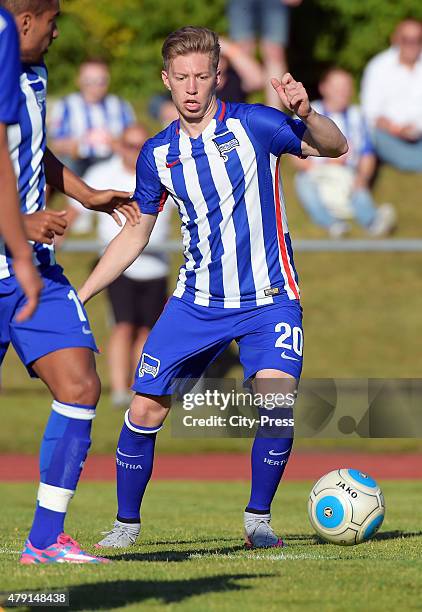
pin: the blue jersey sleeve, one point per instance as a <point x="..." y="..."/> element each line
<point x="150" y="194"/>
<point x="10" y="69"/>
<point x="277" y="132"/>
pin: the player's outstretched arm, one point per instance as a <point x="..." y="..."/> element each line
<point x="322" y="137"/>
<point x="101" y="200"/>
<point x="119" y="255"/>
<point x="12" y="230"/>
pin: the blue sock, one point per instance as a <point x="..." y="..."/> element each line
<point x="270" y="453"/>
<point x="134" y="461"/>
<point x="64" y="448"/>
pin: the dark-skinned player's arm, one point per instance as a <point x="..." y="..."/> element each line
<point x="322" y="137"/>
<point x="100" y="200"/>
<point x="119" y="255"/>
<point x="12" y="230"/>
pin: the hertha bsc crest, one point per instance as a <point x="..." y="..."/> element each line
<point x="225" y="143"/>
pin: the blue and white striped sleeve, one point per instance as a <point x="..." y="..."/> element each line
<point x="277" y="132"/>
<point x="150" y="194"/>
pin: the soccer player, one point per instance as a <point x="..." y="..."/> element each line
<point x="56" y="343"/>
<point x="11" y="226"/>
<point x="220" y="162"/>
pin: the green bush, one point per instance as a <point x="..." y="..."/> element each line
<point x="129" y="34"/>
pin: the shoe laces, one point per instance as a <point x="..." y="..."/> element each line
<point x="66" y="540"/>
<point x="121" y="529"/>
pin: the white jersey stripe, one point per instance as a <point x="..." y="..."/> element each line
<point x="193" y="189"/>
<point x="247" y="159"/>
<point x="224" y="189"/>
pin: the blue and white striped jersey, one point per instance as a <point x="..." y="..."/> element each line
<point x="73" y="117"/>
<point x="10" y="69"/>
<point x="227" y="186"/>
<point x="353" y="125"/>
<point x="27" y="143"/>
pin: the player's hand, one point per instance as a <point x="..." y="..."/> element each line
<point x="31" y="284"/>
<point x="293" y="95"/>
<point x="110" y="201"/>
<point x="43" y="225"/>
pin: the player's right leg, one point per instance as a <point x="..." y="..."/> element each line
<point x="180" y="346"/>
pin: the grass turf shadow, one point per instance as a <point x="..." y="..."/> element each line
<point x="118" y="593"/>
<point x="174" y="555"/>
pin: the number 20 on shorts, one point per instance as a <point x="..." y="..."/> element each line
<point x="289" y="338"/>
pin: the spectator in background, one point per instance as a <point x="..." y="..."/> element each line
<point x="84" y="124"/>
<point x="392" y="98"/>
<point x="267" y="20"/>
<point x="335" y="190"/>
<point x="138" y="296"/>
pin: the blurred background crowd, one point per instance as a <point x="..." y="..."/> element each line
<point x="360" y="62"/>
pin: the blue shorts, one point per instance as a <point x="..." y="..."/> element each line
<point x="59" y="322"/>
<point x="187" y="338"/>
<point x="266" y="19"/>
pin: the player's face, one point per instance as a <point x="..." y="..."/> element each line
<point x="38" y="32"/>
<point x="192" y="81"/>
<point x="337" y="91"/>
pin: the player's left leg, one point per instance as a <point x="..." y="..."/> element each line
<point x="271" y="353"/>
<point x="71" y="376"/>
<point x="57" y="345"/>
<point x="270" y="453"/>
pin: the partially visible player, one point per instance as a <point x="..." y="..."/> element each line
<point x="56" y="344"/>
<point x="11" y="226"/>
<point x="220" y="163"/>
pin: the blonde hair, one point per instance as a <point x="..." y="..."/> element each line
<point x="191" y="39"/>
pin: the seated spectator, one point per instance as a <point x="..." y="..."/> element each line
<point x="334" y="191"/>
<point x="84" y="124"/>
<point x="392" y="98"/>
<point x="138" y="296"/>
<point x="268" y="21"/>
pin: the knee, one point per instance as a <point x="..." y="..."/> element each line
<point x="147" y="412"/>
<point x="84" y="390"/>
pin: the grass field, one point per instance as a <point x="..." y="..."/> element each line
<point x="191" y="558"/>
<point x="361" y="319"/>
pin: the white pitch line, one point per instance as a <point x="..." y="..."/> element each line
<point x="6" y="551"/>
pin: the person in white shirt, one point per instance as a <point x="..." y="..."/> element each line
<point x="138" y="296"/>
<point x="335" y="191"/>
<point x="392" y="98"/>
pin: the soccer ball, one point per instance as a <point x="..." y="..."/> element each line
<point x="346" y="507"/>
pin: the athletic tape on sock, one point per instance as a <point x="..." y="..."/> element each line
<point x="140" y="429"/>
<point x="54" y="498"/>
<point x="74" y="412"/>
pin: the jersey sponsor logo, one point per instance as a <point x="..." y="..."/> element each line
<point x="285" y="356"/>
<point x="225" y="143"/>
<point x="173" y="163"/>
<point x="271" y="291"/>
<point x="149" y="365"/>
<point x="272" y="452"/>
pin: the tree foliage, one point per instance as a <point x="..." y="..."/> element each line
<point x="129" y="35"/>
